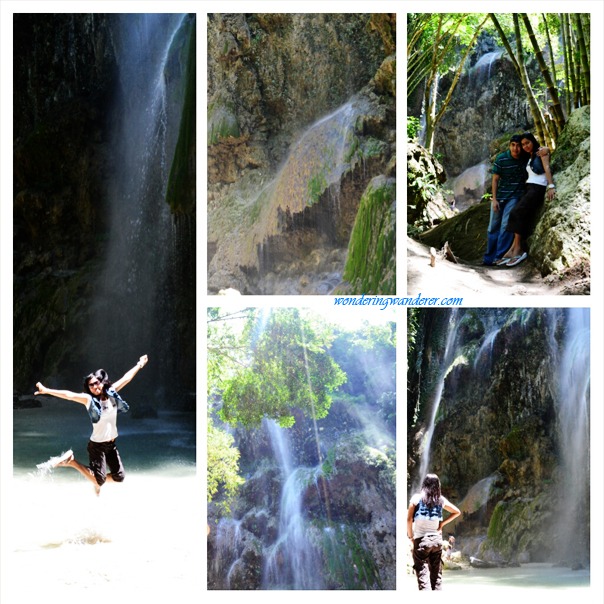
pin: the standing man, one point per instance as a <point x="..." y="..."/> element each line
<point x="509" y="176"/>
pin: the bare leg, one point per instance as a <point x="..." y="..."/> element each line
<point x="516" y="248"/>
<point x="83" y="470"/>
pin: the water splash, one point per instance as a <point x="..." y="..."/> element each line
<point x="470" y="185"/>
<point x="485" y="63"/>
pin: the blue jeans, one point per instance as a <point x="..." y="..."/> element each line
<point x="498" y="239"/>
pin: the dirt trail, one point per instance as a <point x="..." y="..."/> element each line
<point x="448" y="278"/>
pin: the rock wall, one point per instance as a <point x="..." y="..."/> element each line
<point x="498" y="423"/>
<point x="65" y="70"/>
<point x="66" y="91"/>
<point x="561" y="241"/>
<point x="488" y="102"/>
<point x="300" y="118"/>
<point x="348" y="502"/>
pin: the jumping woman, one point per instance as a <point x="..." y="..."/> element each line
<point x="424" y="528"/>
<point x="102" y="401"/>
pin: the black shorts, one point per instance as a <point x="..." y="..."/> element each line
<point x="102" y="456"/>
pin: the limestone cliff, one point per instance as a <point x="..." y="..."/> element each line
<point x="300" y="118"/>
<point x="494" y="397"/>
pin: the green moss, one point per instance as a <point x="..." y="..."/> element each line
<point x="329" y="465"/>
<point x="222" y="123"/>
<point x="316" y="185"/>
<point x="370" y="267"/>
<point x="348" y="563"/>
<point x="180" y="191"/>
<point x="520" y="526"/>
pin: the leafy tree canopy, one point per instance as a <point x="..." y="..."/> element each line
<point x="278" y="362"/>
<point x="223" y="466"/>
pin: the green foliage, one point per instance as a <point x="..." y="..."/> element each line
<point x="370" y="267"/>
<point x="223" y="467"/>
<point x="316" y="185"/>
<point x="387" y="407"/>
<point x="436" y="41"/>
<point x="180" y="190"/>
<point x="225" y="348"/>
<point x="413" y="318"/>
<point x="279" y="363"/>
<point x="413" y="127"/>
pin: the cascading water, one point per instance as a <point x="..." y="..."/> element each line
<point x="293" y="231"/>
<point x="293" y="562"/>
<point x="485" y="63"/>
<point x="132" y="301"/>
<point x="447" y="358"/>
<point x="572" y="387"/>
<point x="484" y="356"/>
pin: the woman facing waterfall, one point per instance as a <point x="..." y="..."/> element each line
<point x="102" y="401"/>
<point x="424" y="527"/>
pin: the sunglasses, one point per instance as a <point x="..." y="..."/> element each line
<point x="93" y="383"/>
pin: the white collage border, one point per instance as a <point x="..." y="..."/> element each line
<point x="595" y="301"/>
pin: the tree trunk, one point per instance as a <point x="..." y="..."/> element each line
<point x="551" y="56"/>
<point x="584" y="60"/>
<point x="556" y="108"/>
<point x="518" y="61"/>
<point x="566" y="70"/>
<point x="571" y="61"/>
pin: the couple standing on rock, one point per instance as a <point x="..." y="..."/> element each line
<point x="521" y="177"/>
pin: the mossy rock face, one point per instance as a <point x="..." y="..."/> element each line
<point x="222" y="123"/>
<point x="519" y="529"/>
<point x="561" y="242"/>
<point x="371" y="264"/>
<point x="426" y="205"/>
<point x="180" y="192"/>
<point x="466" y="233"/>
<point x="348" y="563"/>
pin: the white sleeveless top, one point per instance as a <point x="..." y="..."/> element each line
<point x="106" y="428"/>
<point x="535" y="179"/>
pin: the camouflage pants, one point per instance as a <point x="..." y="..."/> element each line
<point x="427" y="561"/>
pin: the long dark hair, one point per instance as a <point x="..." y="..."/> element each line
<point x="431" y="494"/>
<point x="102" y="376"/>
<point x="529" y="136"/>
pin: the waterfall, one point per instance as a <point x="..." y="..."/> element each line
<point x="486" y="348"/>
<point x="293" y="562"/>
<point x="133" y="297"/>
<point x="572" y="389"/>
<point x="271" y="212"/>
<point x="470" y="185"/>
<point x="486" y="61"/>
<point x="447" y="358"/>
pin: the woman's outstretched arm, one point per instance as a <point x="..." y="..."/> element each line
<point x="76" y="397"/>
<point x="127" y="377"/>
